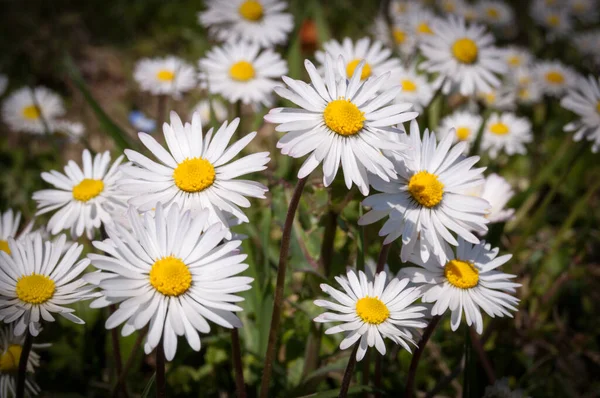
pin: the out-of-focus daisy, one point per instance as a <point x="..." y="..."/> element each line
<point x="503" y="98"/>
<point x="400" y="36"/>
<point x="370" y="311"/>
<point x="74" y="130"/>
<point x="463" y="55"/>
<point x="3" y="83"/>
<point x="508" y="132"/>
<point x="340" y="122"/>
<point x="584" y="10"/>
<point x="242" y="72"/>
<point x="463" y="124"/>
<point x="554" y="77"/>
<point x="165" y="76"/>
<point x="400" y="8"/>
<point x="556" y="20"/>
<point x="416" y="89"/>
<point x="37" y="280"/>
<point x="584" y="100"/>
<point x="516" y="57"/>
<point x="196" y="171"/>
<point x="497" y="191"/>
<point x="141" y="122"/>
<point x="420" y="22"/>
<point x="426" y="201"/>
<point x="450" y="6"/>
<point x="501" y="389"/>
<point x="468" y="12"/>
<point x="377" y="59"/>
<point x="32" y="110"/>
<point x="257" y="21"/>
<point x="467" y="282"/>
<point x="86" y="198"/>
<point x="587" y="43"/>
<point x="9" y="225"/>
<point x="526" y="85"/>
<point x="496" y="13"/>
<point x="204" y="109"/>
<point x="171" y="273"/>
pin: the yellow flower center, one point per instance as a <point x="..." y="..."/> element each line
<point x="242" y="71"/>
<point x="351" y="67"/>
<point x="194" y="175"/>
<point x="4" y="246"/>
<point x="555" y="77"/>
<point x="35" y="288"/>
<point x="514" y="60"/>
<point x="426" y="189"/>
<point x="461" y="274"/>
<point x="408" y="85"/>
<point x="399" y="36"/>
<point x="424" y="28"/>
<point x="524" y="93"/>
<point x="87" y="189"/>
<point x="462" y="133"/>
<point x="170" y="276"/>
<point x="490" y="98"/>
<point x="598" y="106"/>
<point x="499" y="128"/>
<point x="553" y="20"/>
<point x="343" y="117"/>
<point x="372" y="310"/>
<point x="492" y="13"/>
<point x="165" y="75"/>
<point x="9" y="360"/>
<point x="465" y="50"/>
<point x="251" y="10"/>
<point x="31" y="112"/>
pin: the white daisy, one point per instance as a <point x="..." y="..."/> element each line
<point x="86" y="198"/>
<point x="497" y="191"/>
<point x="196" y="172"/>
<point x="555" y="78"/>
<point x="584" y="10"/>
<point x="465" y="126"/>
<point x="242" y="72"/>
<point x="495" y="13"/>
<point x="426" y="202"/>
<point x="526" y="85"/>
<point x="463" y="55"/>
<point x="257" y="21"/>
<point x="587" y="43"/>
<point x="36" y="279"/>
<point x="416" y="89"/>
<point x="400" y="36"/>
<point x="584" y="100"/>
<point x="503" y="98"/>
<point x="32" y="110"/>
<point x="556" y="20"/>
<point x="9" y="225"/>
<point x="370" y="310"/>
<point x="172" y="273"/>
<point x="466" y="282"/>
<point x="165" y="76"/>
<point x="400" y="8"/>
<point x="516" y="57"/>
<point x="341" y="122"/>
<point x="378" y="60"/>
<point x="508" y="132"/>
<point x="450" y="6"/>
<point x="204" y="109"/>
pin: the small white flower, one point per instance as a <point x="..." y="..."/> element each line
<point x="165" y="76"/>
<point x="526" y="85"/>
<point x="496" y="13"/>
<point x="584" y="100"/>
<point x="555" y="78"/>
<point x="516" y="57"/>
<point x="463" y="124"/>
<point x="587" y="43"/>
<point x="416" y="89"/>
<point x="508" y="132"/>
<point x="32" y="110"/>
<point x="497" y="191"/>
<point x="584" y="10"/>
<point x="504" y="98"/>
<point x="204" y="109"/>
<point x="371" y="310"/>
<point x="9" y="225"/>
<point x="556" y="20"/>
<point x="400" y="36"/>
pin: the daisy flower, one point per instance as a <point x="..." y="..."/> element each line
<point x="450" y="6"/>
<point x="32" y="110"/>
<point x="467" y="282"/>
<point x="416" y="89"/>
<point x="425" y="203"/>
<point x="555" y="78"/>
<point x="495" y="13"/>
<point x="400" y="8"/>
<point x="497" y="191"/>
<point x="196" y="171"/>
<point x="508" y="132"/>
<point x="526" y="85"/>
<point x="464" y="125"/>
<point x="584" y="10"/>
<point x="584" y="100"/>
<point x="86" y="198"/>
<point x="171" y="273"/>
<point x="400" y="36"/>
<point x="503" y="98"/>
<point x="419" y="22"/>
<point x="587" y="43"/>
<point x="341" y="122"/>
<point x="516" y="57"/>
<point x="242" y="72"/>
<point x="37" y="280"/>
<point x="463" y="55"/>
<point x="204" y="109"/>
<point x="257" y="21"/>
<point x="9" y="225"/>
<point x="165" y="76"/>
<point x="371" y="310"/>
<point x="556" y="20"/>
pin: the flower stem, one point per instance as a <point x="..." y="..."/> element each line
<point x="485" y="362"/>
<point x="468" y="373"/>
<point x="22" y="372"/>
<point x="116" y="347"/>
<point x="412" y="371"/>
<point x="278" y="300"/>
<point x="383" y="255"/>
<point x="123" y="374"/>
<point x="349" y="372"/>
<point x="240" y="387"/>
<point x="328" y="240"/>
<point x="160" y="370"/>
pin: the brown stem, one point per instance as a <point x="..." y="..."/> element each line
<point x="485" y="362"/>
<point x="412" y="371"/>
<point x="377" y="381"/>
<point x="278" y="300"/>
<point x="116" y="347"/>
<point x="132" y="354"/>
<point x="366" y="370"/>
<point x="160" y="370"/>
<point x="240" y="387"/>
<point x="349" y="372"/>
<point x="383" y="255"/>
<point x="22" y="372"/>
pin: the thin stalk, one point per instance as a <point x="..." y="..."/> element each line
<point x="328" y="240"/>
<point x="278" y="299"/>
<point x="412" y="371"/>
<point x="22" y="372"/>
<point x="469" y="366"/>
<point x="349" y="372"/>
<point x="383" y="255"/>
<point x="485" y="362"/>
<point x="160" y="371"/>
<point x="366" y="370"/>
<point x="360" y="262"/>
<point x="240" y="386"/>
<point x="116" y="347"/>
<point x="134" y="350"/>
<point x="377" y="381"/>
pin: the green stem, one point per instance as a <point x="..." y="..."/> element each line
<point x="132" y="354"/>
<point x="414" y="363"/>
<point x="22" y="370"/>
<point x="160" y="371"/>
<point x="349" y="372"/>
<point x="116" y="347"/>
<point x="236" y="353"/>
<point x="469" y="368"/>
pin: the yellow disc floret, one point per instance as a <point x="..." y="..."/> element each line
<point x="194" y="175"/>
<point x="165" y="75"/>
<point x="251" y="10"/>
<point x="351" y="67"/>
<point x="492" y="13"/>
<point x="598" y="106"/>
<point x="372" y="310"/>
<point x="462" y="133"/>
<point x="4" y="246"/>
<point x="499" y="128"/>
<point x="408" y="85"/>
<point x="399" y="36"/>
<point x="465" y="50"/>
<point x="35" y="288"/>
<point x="170" y="276"/>
<point x="426" y="189"/>
<point x="343" y="117"/>
<point x="514" y="60"/>
<point x="87" y="189"/>
<point x="9" y="360"/>
<point x="555" y="77"/>
<point x="461" y="274"/>
<point x="31" y="112"/>
<point x="424" y="28"/>
<point x="242" y="71"/>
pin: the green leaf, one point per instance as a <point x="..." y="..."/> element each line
<point x="334" y="393"/>
<point x="148" y="388"/>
